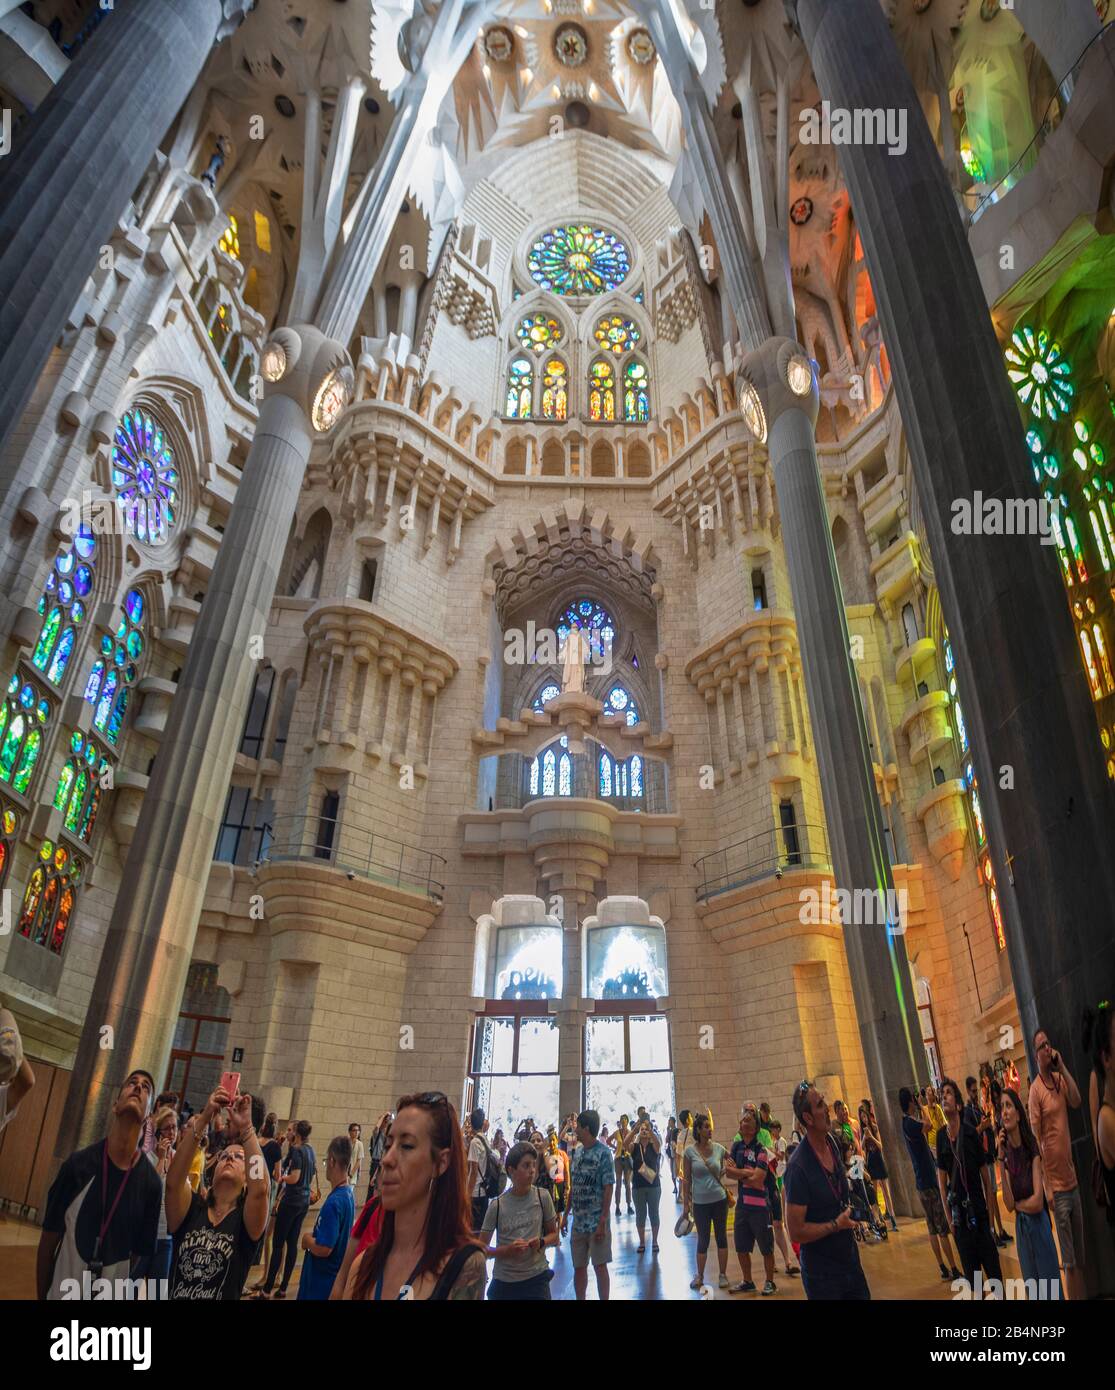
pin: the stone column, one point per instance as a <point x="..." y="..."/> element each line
<point x="147" y="952"/>
<point x="1026" y="700"/>
<point x="779" y="400"/>
<point x="76" y="165"/>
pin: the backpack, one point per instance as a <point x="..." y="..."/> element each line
<point x="494" y="1178"/>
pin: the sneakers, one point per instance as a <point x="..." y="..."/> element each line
<point x="695" y="1283"/>
<point x="944" y="1273"/>
<point x="792" y="1271"/>
<point x="723" y="1281"/>
<point x="744" y="1286"/>
<point x="770" y="1287"/>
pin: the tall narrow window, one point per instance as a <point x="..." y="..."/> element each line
<point x="115" y="671"/>
<point x="327" y="825"/>
<point x="251" y="741"/>
<point x="909" y="624"/>
<point x="48" y="902"/>
<point x="602" y="391"/>
<point x="368" y="580"/>
<point x="759" y="588"/>
<point x="636" y="391"/>
<point x="63" y="605"/>
<point x="555" y="390"/>
<point x="24" y="715"/>
<point x="520" y="380"/>
<point x="788" y="819"/>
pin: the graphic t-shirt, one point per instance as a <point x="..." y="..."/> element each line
<point x="594" y="1170"/>
<point x="752" y="1155"/>
<point x="519" y="1218"/>
<point x="917" y="1146"/>
<point x="962" y="1162"/>
<point x="331" y="1228"/>
<point x="77" y="1205"/>
<point x="211" y="1262"/>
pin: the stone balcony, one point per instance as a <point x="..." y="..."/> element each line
<point x="896" y="568"/>
<point x="927" y="725"/>
<point x="944" y="816"/>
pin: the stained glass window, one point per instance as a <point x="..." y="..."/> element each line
<point x="48" y="902"/>
<point x="548" y="692"/>
<point x="1044" y="463"/>
<point x="9" y="829"/>
<point x="63" y="605"/>
<point x="636" y="389"/>
<point x="549" y="771"/>
<point x="555" y="390"/>
<point x="145" y="477"/>
<point x="565" y="775"/>
<point x="520" y="381"/>
<point x="588" y="615"/>
<point x="616" y="334"/>
<point x="23" y="717"/>
<point x="1039" y="373"/>
<point x="602" y="391"/>
<point x="578" y="260"/>
<point x="80" y="783"/>
<point x="537" y="332"/>
<point x="619" y="701"/>
<point x="230" y="238"/>
<point x="116" y="669"/>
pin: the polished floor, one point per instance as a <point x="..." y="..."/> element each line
<point x="902" y="1267"/>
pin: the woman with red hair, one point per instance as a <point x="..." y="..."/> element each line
<point x="426" y="1249"/>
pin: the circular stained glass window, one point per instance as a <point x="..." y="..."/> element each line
<point x="135" y="644"/>
<point x="76" y="741"/>
<point x="617" y="334"/>
<point x="83" y="580"/>
<point x="1040" y="375"/>
<point x="537" y="332"/>
<point x="27" y="696"/>
<point x="588" y="616"/>
<point x="548" y="692"/>
<point x="145" y="477"/>
<point x="42" y="711"/>
<point x="578" y="260"/>
<point x="46" y="849"/>
<point x="133" y="606"/>
<point x="84" y="544"/>
<point x="801" y="210"/>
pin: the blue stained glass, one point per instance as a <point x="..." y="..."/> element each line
<point x="93" y="685"/>
<point x="116" y="723"/>
<point x="77" y="612"/>
<point x="636" y="775"/>
<point x="65" y="563"/>
<point x="578" y="260"/>
<point x="549" y="770"/>
<point x="57" y="667"/>
<point x="605" y="775"/>
<point x="27" y="696"/>
<point x="104" y="704"/>
<point x="133" y="606"/>
<point x="83" y="579"/>
<point x="85" y="543"/>
<point x="534" y="777"/>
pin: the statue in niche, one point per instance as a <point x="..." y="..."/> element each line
<point x="574" y="650"/>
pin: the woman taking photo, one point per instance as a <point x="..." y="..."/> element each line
<point x="645" y="1149"/>
<point x="426" y="1249"/>
<point x="873" y="1154"/>
<point x="618" y="1142"/>
<point x="704" y="1192"/>
<point x="1024" y="1194"/>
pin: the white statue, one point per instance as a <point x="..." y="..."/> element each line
<point x="573" y="653"/>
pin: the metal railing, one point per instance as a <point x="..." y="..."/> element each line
<point x="326" y="840"/>
<point x="772" y="851"/>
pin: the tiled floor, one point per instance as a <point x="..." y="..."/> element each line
<point x="902" y="1267"/>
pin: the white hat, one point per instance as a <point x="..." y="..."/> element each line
<point x="11" y="1047"/>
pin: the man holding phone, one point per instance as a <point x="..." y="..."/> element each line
<point x="1052" y="1093"/>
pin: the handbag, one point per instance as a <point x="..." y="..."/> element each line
<point x="720" y="1180"/>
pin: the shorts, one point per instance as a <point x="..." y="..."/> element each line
<point x="1069" y="1218"/>
<point x="934" y="1210"/>
<point x="752" y="1227"/>
<point x="591" y="1250"/>
<point x="774" y="1197"/>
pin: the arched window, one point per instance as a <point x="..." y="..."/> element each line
<point x="602" y="391"/>
<point x="9" y="828"/>
<point x="145" y="477"/>
<point x="78" y="794"/>
<point x="63" y="605"/>
<point x="636" y="391"/>
<point x="48" y="903"/>
<point x="520" y="381"/>
<point x="115" y="671"/>
<point x="578" y="260"/>
<point x="620" y="779"/>
<point x="23" y="716"/>
<point x="550" y="691"/>
<point x="555" y="390"/>
<point x="589" y="616"/>
<point x="551" y="773"/>
<point x="620" y="701"/>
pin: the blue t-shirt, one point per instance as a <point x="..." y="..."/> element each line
<point x="331" y="1228"/>
<point x="593" y="1170"/>
<point x="925" y="1170"/>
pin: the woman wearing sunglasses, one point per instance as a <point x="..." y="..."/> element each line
<point x="426" y="1250"/>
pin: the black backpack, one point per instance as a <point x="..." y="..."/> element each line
<point x="493" y="1180"/>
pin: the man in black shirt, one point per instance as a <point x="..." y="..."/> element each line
<point x="817" y="1206"/>
<point x="960" y="1160"/>
<point x="102" y="1211"/>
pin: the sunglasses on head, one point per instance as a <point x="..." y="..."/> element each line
<point x="432" y="1098"/>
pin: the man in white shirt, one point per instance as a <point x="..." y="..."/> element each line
<point x="356" y="1163"/>
<point x="479" y="1160"/>
<point x="16" y="1076"/>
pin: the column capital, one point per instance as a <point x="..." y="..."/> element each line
<point x="776" y="377"/>
<point x="314" y="371"/>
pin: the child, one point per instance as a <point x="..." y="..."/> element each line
<point x="520" y="1223"/>
<point x="325" y="1247"/>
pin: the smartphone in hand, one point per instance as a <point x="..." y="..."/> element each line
<point x="230" y="1084"/>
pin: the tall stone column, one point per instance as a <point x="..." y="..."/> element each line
<point x="147" y="951"/>
<point x="885" y="1008"/>
<point x="1026" y="701"/>
<point x="78" y="162"/>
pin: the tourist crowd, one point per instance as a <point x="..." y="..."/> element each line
<point x="189" y="1203"/>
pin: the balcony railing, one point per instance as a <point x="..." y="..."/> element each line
<point x="324" y="840"/>
<point x="772" y="851"/>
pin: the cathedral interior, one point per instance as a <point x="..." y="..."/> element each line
<point x="480" y="592"/>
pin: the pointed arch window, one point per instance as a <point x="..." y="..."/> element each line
<point x="50" y="897"/>
<point x="116" y="669"/>
<point x="145" y="477"/>
<point x="565" y="775"/>
<point x="62" y="606"/>
<point x="78" y="793"/>
<point x="619" y="700"/>
<point x="636" y="391"/>
<point x="9" y="827"/>
<point x="23" y="718"/>
<point x="555" y="390"/>
<point x="520" y="386"/>
<point x="602" y="391"/>
<point x="550" y="691"/>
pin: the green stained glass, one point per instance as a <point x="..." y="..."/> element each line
<point x="28" y="758"/>
<point x="578" y="259"/>
<point x="57" y="668"/>
<point x="617" y="334"/>
<point x="537" y="332"/>
<point x="1039" y="373"/>
<point x="9" y="748"/>
<point x="135" y="643"/>
<point x="47" y="638"/>
<point x="520" y="377"/>
<point x="65" y="782"/>
<point x="77" y="802"/>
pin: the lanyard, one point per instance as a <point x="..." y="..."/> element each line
<point x="409" y="1283"/>
<point x="106" y="1221"/>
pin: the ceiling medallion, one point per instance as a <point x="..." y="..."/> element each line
<point x="499" y="44"/>
<point x="640" y="47"/>
<point x="571" y="45"/>
<point x="801" y="210"/>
